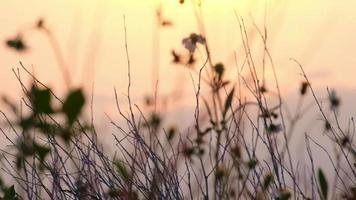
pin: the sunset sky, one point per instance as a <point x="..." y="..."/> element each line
<point x="319" y="33"/>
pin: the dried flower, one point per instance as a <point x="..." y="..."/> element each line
<point x="334" y="100"/>
<point x="281" y="194"/>
<point x="191" y="42"/>
<point x="221" y="172"/>
<point x="166" y="23"/>
<point x="17" y="44"/>
<point x="274" y="128"/>
<point x="40" y="23"/>
<point x="251" y="164"/>
<point x="304" y="88"/>
<point x="188" y="151"/>
<point x="263" y="89"/>
<point x="219" y="69"/>
<point x="327" y="126"/>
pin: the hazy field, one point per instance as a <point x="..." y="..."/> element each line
<point x="215" y="99"/>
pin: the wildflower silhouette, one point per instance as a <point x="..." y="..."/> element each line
<point x="17" y="44"/>
<point x="40" y="24"/>
<point x="334" y="100"/>
<point x="304" y="88"/>
<point x="54" y="144"/>
<point x="190" y="43"/>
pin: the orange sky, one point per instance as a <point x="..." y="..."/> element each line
<point x="318" y="33"/>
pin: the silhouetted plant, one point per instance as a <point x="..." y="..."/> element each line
<point x="236" y="148"/>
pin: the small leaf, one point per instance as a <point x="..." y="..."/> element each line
<point x="41" y="151"/>
<point x="219" y="70"/>
<point x="122" y="170"/>
<point x="268" y="114"/>
<point x="334" y="100"/>
<point x="263" y="89"/>
<point x="236" y="151"/>
<point x="17" y="44"/>
<point x="154" y="121"/>
<point x="323" y="185"/>
<point x="220" y="172"/>
<point x="327" y="126"/>
<point x="228" y="102"/>
<point x="81" y="189"/>
<point x="114" y="192"/>
<point x="199" y="140"/>
<point x="166" y="23"/>
<point x="19" y="161"/>
<point x="304" y="88"/>
<point x="73" y="105"/>
<point x="40" y="23"/>
<point x="274" y="128"/>
<point x="10" y="194"/>
<point x="188" y="151"/>
<point x="66" y="134"/>
<point x="267" y="181"/>
<point x="283" y="195"/>
<point x="25" y="147"/>
<point x="41" y="100"/>
<point x="27" y="123"/>
<point x="171" y="133"/>
<point x="252" y="163"/>
<point x="46" y="127"/>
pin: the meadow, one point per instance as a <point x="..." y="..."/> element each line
<point x="238" y="143"/>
